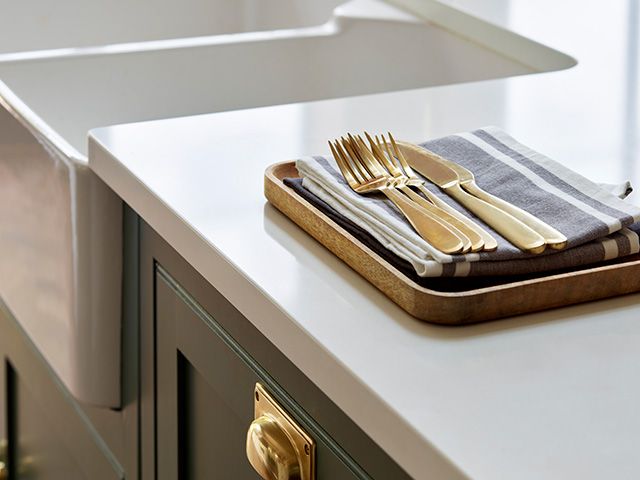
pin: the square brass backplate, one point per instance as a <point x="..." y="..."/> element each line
<point x="265" y="404"/>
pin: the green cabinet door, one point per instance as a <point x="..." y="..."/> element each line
<point x="48" y="434"/>
<point x="39" y="451"/>
<point x="205" y="396"/>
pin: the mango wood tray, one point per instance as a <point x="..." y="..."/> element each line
<point x="453" y="301"/>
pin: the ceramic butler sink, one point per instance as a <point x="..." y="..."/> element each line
<point x="69" y="24"/>
<point x="60" y="226"/>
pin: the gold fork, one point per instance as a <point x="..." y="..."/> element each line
<point x="399" y="181"/>
<point x="407" y="179"/>
<point x="363" y="179"/>
<point x="489" y="242"/>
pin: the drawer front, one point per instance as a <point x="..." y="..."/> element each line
<point x="205" y="396"/>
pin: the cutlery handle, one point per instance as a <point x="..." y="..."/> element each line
<point x="429" y="228"/>
<point x="509" y="227"/>
<point x="450" y="222"/>
<point x="552" y="237"/>
<point x="487" y="241"/>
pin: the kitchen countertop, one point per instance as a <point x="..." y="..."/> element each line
<point x="547" y="395"/>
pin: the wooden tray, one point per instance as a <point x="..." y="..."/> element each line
<point x="453" y="301"/>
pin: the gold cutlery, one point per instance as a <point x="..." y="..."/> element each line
<point x="399" y="181"/>
<point x="490" y="243"/>
<point x="363" y="177"/>
<point x="553" y="237"/>
<point x="510" y="227"/>
<point x="480" y="239"/>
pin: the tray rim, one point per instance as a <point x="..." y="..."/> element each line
<point x="272" y="180"/>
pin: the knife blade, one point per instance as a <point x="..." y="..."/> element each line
<point x="434" y="169"/>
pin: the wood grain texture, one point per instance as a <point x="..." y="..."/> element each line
<point x="472" y="300"/>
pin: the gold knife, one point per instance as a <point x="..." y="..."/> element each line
<point x="511" y="228"/>
<point x="552" y="237"/>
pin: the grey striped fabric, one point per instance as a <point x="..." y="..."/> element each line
<point x="598" y="224"/>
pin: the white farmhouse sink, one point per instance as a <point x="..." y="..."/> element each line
<point x="42" y="24"/>
<point x="60" y="226"/>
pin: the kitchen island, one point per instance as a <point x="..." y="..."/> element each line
<point x="226" y="311"/>
<point x="546" y="395"/>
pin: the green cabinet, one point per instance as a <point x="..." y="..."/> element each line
<point x="47" y="434"/>
<point x="191" y="363"/>
<point x="205" y="395"/>
<point x="205" y="359"/>
<point x="39" y="451"/>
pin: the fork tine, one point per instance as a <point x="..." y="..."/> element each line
<point x="355" y="170"/>
<point x="379" y="143"/>
<point x="359" y="156"/>
<point x="372" y="146"/>
<point x="366" y="174"/>
<point x="344" y="168"/>
<point x="387" y="166"/>
<point x="378" y="164"/>
<point x="387" y="149"/>
<point x="358" y="153"/>
<point x="370" y="162"/>
<point x="364" y="150"/>
<point x="387" y="159"/>
<point x="382" y="145"/>
<point x="373" y="142"/>
<point x="400" y="156"/>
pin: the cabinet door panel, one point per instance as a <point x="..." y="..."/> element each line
<point x="202" y="416"/>
<point x="49" y="435"/>
<point x="39" y="454"/>
<point x="205" y="384"/>
<point x="211" y="424"/>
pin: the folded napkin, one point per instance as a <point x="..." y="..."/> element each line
<point x="599" y="225"/>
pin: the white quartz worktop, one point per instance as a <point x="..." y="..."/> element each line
<point x="548" y="395"/>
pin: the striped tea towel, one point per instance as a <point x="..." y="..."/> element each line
<point x="599" y="225"/>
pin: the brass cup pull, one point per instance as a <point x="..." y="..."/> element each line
<point x="270" y="451"/>
<point x="277" y="447"/>
<point x="4" y="471"/>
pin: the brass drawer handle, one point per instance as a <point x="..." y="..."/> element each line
<point x="270" y="451"/>
<point x="4" y="471"/>
<point x="277" y="448"/>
